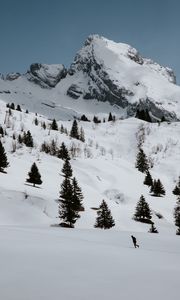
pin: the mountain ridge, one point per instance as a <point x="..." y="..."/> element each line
<point x="102" y="71"/>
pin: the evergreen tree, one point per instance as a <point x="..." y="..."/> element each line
<point x="153" y="229"/>
<point x="84" y="118"/>
<point x="67" y="213"/>
<point x="54" y="125"/>
<point x="3" y="158"/>
<point x="27" y="139"/>
<point x="104" y="218"/>
<point x="148" y="179"/>
<point x="36" y="122"/>
<point x="177" y="215"/>
<point x="12" y="106"/>
<point x="18" y="108"/>
<point x="20" y="140"/>
<point x="176" y="190"/>
<point x="34" y="175"/>
<point x="142" y="162"/>
<point x="157" y="188"/>
<point x="53" y="148"/>
<point x="63" y="152"/>
<point x="67" y="170"/>
<point x="74" y="133"/>
<point x="45" y="147"/>
<point x="62" y="129"/>
<point x="44" y="125"/>
<point x="110" y="118"/>
<point x="142" y="212"/>
<point x="96" y="120"/>
<point x="1" y="131"/>
<point x="81" y="135"/>
<point x="27" y="111"/>
<point x="77" y="195"/>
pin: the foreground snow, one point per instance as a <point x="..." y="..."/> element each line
<point x="52" y="263"/>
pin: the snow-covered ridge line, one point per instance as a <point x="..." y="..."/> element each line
<point x="104" y="76"/>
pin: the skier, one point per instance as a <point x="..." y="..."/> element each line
<point x="134" y="241"/>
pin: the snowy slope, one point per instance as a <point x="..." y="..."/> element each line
<point x="104" y="167"/>
<point x="52" y="263"/>
<point x="104" y="76"/>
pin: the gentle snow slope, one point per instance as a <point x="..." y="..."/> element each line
<point x="52" y="263"/>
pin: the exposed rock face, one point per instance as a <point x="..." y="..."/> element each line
<point x="74" y="91"/>
<point x="119" y="74"/>
<point x="12" y="76"/>
<point x="46" y="75"/>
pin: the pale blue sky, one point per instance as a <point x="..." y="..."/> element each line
<point x="51" y="31"/>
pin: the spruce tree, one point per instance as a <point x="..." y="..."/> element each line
<point x="104" y="218"/>
<point x="177" y="215"/>
<point x="12" y="106"/>
<point x="142" y="162"/>
<point x="67" y="170"/>
<point x="18" y="108"/>
<point x="54" y="125"/>
<point x="44" y="125"/>
<point x="62" y="129"/>
<point x="153" y="229"/>
<point x="157" y="188"/>
<point x="176" y="190"/>
<point x="53" y="148"/>
<point x="34" y="175"/>
<point x="148" y="179"/>
<point x="77" y="195"/>
<point x="3" y="158"/>
<point x="1" y="131"/>
<point x="36" y="122"/>
<point x="84" y="118"/>
<point x="67" y="212"/>
<point x="74" y="133"/>
<point x="20" y="139"/>
<point x="81" y="135"/>
<point x="142" y="212"/>
<point x="110" y="118"/>
<point x="63" y="152"/>
<point x="28" y="140"/>
<point x="96" y="120"/>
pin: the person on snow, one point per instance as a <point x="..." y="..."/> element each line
<point x="134" y="242"/>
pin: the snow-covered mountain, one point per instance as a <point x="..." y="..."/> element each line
<point x="104" y="76"/>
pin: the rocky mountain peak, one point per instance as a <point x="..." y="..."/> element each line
<point x="46" y="75"/>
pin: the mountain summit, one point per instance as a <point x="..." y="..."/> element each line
<point x="105" y="72"/>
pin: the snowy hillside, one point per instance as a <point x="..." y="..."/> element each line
<point x="104" y="166"/>
<point x="39" y="259"/>
<point x="104" y="76"/>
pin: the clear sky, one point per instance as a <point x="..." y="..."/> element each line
<point x="51" y="31"/>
